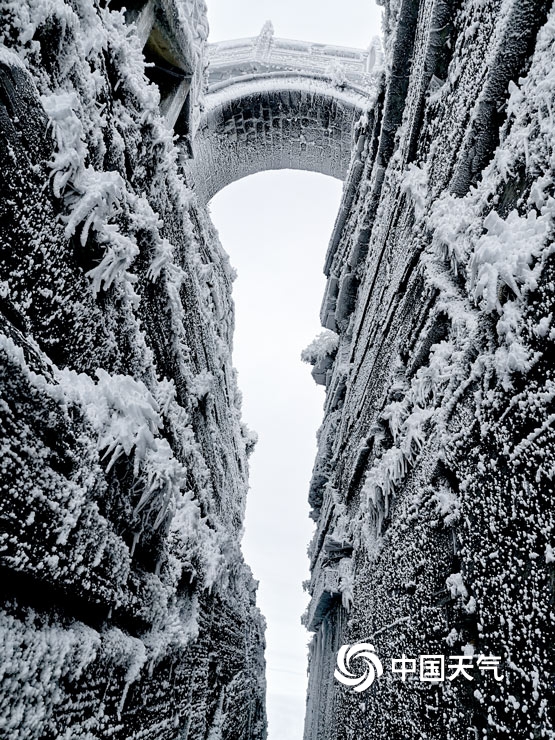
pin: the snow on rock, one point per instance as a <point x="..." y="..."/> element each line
<point x="436" y="451"/>
<point x="325" y="344"/>
<point x="128" y="610"/>
<point x="320" y="353"/>
<point x="127" y="607"/>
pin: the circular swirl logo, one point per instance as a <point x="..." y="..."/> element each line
<point x="364" y="653"/>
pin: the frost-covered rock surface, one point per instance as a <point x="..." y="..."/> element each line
<point x="127" y="610"/>
<point x="433" y="487"/>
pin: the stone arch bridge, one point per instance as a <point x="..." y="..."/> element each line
<point x="126" y="609"/>
<point x="274" y="103"/>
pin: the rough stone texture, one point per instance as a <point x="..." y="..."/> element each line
<point x="277" y="104"/>
<point x="295" y="126"/>
<point x="127" y="610"/>
<point x="433" y="486"/>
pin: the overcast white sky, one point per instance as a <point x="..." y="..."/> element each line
<point x="341" y="22"/>
<point x="276" y="233"/>
<point x="276" y="227"/>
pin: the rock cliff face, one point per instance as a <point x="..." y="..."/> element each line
<point x="127" y="610"/>
<point x="433" y="486"/>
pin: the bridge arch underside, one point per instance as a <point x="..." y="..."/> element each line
<point x="252" y="128"/>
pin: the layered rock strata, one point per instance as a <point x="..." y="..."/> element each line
<point x="433" y="486"/>
<point x="127" y="609"/>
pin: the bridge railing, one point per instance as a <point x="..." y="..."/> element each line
<point x="230" y="60"/>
